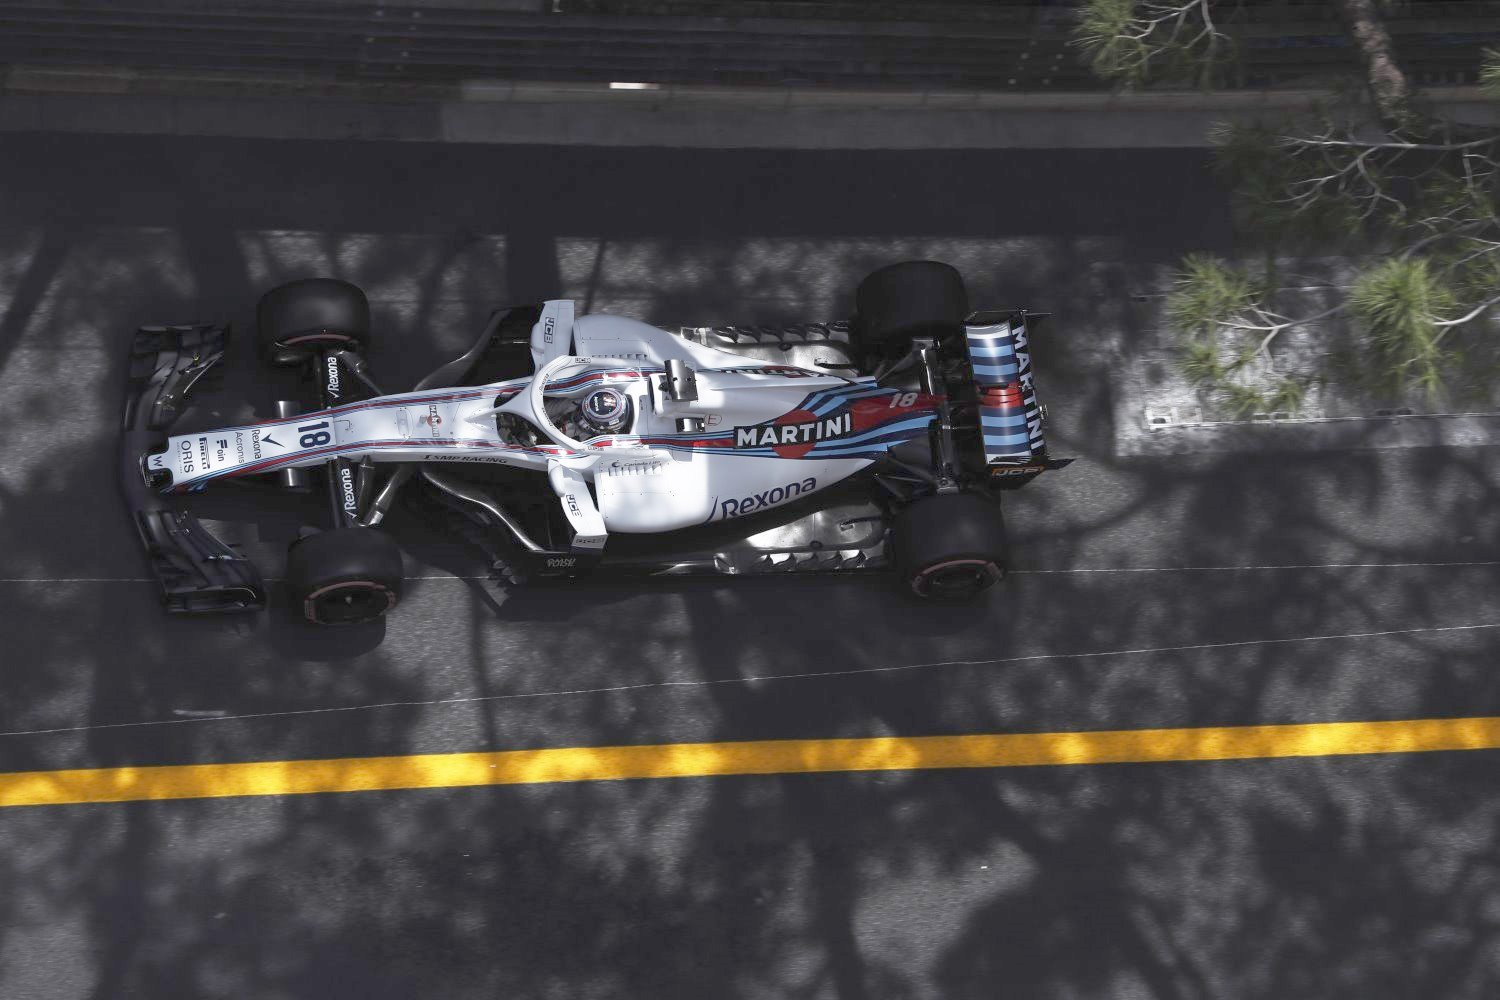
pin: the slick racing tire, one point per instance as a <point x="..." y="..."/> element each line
<point x="905" y="300"/>
<point x="344" y="576"/>
<point x="950" y="546"/>
<point x="296" y="319"/>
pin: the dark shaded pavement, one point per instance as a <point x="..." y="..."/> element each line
<point x="1320" y="878"/>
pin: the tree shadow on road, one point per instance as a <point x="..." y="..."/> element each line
<point x="1185" y="880"/>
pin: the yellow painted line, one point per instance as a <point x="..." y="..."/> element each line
<point x="691" y="760"/>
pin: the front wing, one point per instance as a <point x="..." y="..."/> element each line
<point x="197" y="571"/>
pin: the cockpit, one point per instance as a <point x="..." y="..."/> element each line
<point x="581" y="414"/>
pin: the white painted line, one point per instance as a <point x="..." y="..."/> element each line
<point x="1210" y="569"/>
<point x="1014" y="572"/>
<point x="1153" y="569"/>
<point x="76" y="579"/>
<point x="1276" y="421"/>
<point x="756" y="679"/>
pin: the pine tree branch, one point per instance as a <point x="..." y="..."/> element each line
<point x="1276" y="328"/>
<point x="1126" y="39"/>
<point x="1470" y="315"/>
<point x="1437" y="147"/>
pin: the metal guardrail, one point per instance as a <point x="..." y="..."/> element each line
<point x="954" y="45"/>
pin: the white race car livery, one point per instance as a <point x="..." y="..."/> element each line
<point x="606" y="417"/>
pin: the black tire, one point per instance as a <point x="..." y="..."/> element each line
<point x="950" y="546"/>
<point x="296" y="319"/>
<point x="901" y="301"/>
<point x="345" y="576"/>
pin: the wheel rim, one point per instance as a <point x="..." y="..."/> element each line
<point x="956" y="580"/>
<point x="348" y="603"/>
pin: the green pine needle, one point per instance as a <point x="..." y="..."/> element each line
<point x="1207" y="292"/>
<point x="1399" y="303"/>
<point x="1489" y="72"/>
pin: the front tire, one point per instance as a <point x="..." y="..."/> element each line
<point x="949" y="546"/>
<point x="906" y="300"/>
<point x="345" y="576"/>
<point x="301" y="317"/>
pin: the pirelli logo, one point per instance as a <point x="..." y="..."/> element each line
<point x="793" y="433"/>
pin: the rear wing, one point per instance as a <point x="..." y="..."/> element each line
<point x="1011" y="420"/>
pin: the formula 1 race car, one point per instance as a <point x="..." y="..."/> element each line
<point x="564" y="445"/>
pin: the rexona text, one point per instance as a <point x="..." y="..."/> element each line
<point x="770" y="498"/>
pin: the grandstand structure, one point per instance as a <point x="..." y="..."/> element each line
<point x="931" y="46"/>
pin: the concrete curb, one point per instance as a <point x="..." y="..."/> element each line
<point x="489" y="111"/>
<point x="1371" y="433"/>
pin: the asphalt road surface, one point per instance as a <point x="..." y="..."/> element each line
<point x="1350" y="876"/>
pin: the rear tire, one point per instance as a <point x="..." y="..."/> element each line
<point x="345" y="576"/>
<point x="296" y="319"/>
<point x="902" y="301"/>
<point x="950" y="546"/>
